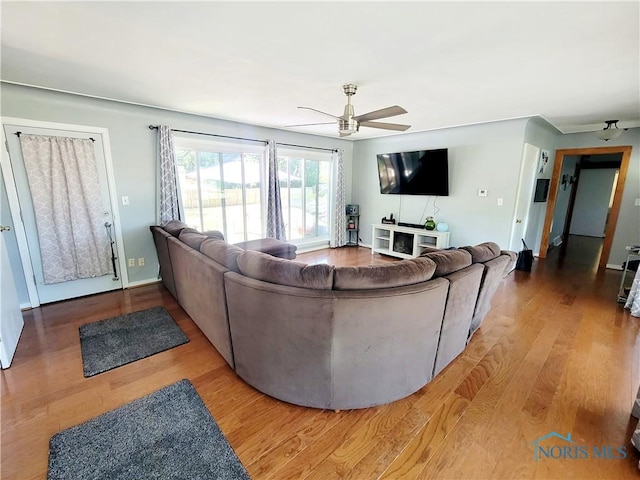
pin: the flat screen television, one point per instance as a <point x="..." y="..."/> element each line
<point x="423" y="172"/>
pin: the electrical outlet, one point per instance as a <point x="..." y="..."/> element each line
<point x="131" y="262"/>
<point x="637" y="204"/>
<point x="141" y="262"/>
<point x="482" y="192"/>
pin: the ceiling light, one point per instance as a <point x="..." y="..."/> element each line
<point x="347" y="126"/>
<point x="609" y="132"/>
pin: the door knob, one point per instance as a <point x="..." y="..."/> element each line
<point x="4" y="228"/>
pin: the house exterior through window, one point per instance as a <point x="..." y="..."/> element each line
<point x="305" y="190"/>
<point x="223" y="187"/>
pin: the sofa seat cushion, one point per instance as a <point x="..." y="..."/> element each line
<point x="483" y="252"/>
<point x="267" y="268"/>
<point x="192" y="237"/>
<point x="396" y="274"/>
<point x="221" y="252"/>
<point x="271" y="246"/>
<point x="174" y="227"/>
<point x="448" y="261"/>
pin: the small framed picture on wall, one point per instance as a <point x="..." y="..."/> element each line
<point x="544" y="160"/>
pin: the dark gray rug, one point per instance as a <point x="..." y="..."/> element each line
<point x="169" y="434"/>
<point x="116" y="341"/>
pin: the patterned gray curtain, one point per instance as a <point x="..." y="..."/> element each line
<point x="169" y="201"/>
<point x="65" y="187"/>
<point x="339" y="233"/>
<point x="275" y="222"/>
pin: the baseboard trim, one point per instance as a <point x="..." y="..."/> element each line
<point x="141" y="283"/>
<point x="310" y="245"/>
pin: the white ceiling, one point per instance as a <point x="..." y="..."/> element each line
<point x="574" y="63"/>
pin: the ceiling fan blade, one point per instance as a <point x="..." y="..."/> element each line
<point x="382" y="113"/>
<point x="386" y="126"/>
<point x="309" y="124"/>
<point x="319" y="111"/>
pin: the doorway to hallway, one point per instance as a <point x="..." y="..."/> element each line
<point x="560" y="220"/>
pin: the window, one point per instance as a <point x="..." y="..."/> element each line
<point x="305" y="180"/>
<point x="220" y="187"/>
<point x="223" y="187"/>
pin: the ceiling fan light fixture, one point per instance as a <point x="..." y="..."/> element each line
<point x="347" y="126"/>
<point x="350" y="123"/>
<point x="609" y="132"/>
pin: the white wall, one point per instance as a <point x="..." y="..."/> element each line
<point x="543" y="135"/>
<point x="592" y="202"/>
<point x="133" y="148"/>
<point x="485" y="156"/>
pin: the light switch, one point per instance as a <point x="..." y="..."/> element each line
<point x="637" y="204"/>
<point x="125" y="200"/>
<point x="500" y="202"/>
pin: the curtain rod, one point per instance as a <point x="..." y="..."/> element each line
<point x="305" y="146"/>
<point x="20" y="133"/>
<point x="155" y="127"/>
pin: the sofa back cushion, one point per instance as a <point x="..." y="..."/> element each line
<point x="285" y="272"/>
<point x="483" y="252"/>
<point x="221" y="252"/>
<point x="494" y="271"/>
<point x="174" y="227"/>
<point x="160" y="239"/>
<point x="192" y="237"/>
<point x="396" y="274"/>
<point x="214" y="234"/>
<point x="448" y="261"/>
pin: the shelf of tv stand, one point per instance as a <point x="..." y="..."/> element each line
<point x="405" y="242"/>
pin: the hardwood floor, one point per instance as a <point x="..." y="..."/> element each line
<point x="555" y="354"/>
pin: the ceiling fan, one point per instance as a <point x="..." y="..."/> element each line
<point x="349" y="123"/>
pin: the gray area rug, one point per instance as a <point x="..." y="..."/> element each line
<point x="168" y="434"/>
<point x="116" y="341"/>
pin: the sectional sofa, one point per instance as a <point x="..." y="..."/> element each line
<point x="331" y="337"/>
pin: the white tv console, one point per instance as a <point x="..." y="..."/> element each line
<point x="405" y="242"/>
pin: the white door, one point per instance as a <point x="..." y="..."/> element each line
<point x="11" y="321"/>
<point x="524" y="195"/>
<point x="593" y="201"/>
<point x="74" y="288"/>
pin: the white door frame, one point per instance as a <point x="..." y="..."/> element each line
<point x="14" y="205"/>
<point x="524" y="193"/>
